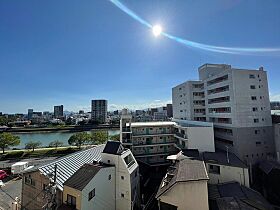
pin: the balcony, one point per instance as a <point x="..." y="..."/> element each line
<point x="126" y="141"/>
<point x="143" y="144"/>
<point x="126" y="130"/>
<point x="180" y="135"/>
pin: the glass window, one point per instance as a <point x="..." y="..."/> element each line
<point x="91" y="194"/>
<point x="214" y="169"/>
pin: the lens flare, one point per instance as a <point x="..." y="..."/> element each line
<point x="196" y="45"/>
<point x="157" y="30"/>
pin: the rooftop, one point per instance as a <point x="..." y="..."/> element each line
<point x="152" y="123"/>
<point x="83" y="176"/>
<point x="113" y="147"/>
<point x="183" y="123"/>
<point x="69" y="164"/>
<point x="185" y="170"/>
<point x="220" y="157"/>
<point x="267" y="166"/>
<point x="234" y="196"/>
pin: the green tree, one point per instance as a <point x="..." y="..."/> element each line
<point x="115" y="137"/>
<point x="99" y="137"/>
<point x="32" y="145"/>
<point x="8" y="139"/>
<point x="79" y="139"/>
<point x="56" y="144"/>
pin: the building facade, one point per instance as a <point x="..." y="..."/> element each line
<point x="236" y="101"/>
<point x="58" y="111"/>
<point x="99" y="110"/>
<point x="152" y="142"/>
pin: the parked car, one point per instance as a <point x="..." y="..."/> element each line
<point x="3" y="174"/>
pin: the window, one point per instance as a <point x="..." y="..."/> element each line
<point x="91" y="194"/>
<point x="255" y="109"/>
<point x="254" y="98"/>
<point x="129" y="160"/>
<point x="71" y="200"/>
<point x="110" y="177"/>
<point x="29" y="181"/>
<point x="257" y="131"/>
<point x="214" y="169"/>
<point x="261" y="97"/>
<point x="109" y="161"/>
<point x="122" y="177"/>
<point x="258" y="143"/>
<point x="256" y="120"/>
<point x="252" y="76"/>
<point x="122" y="195"/>
<point x="253" y="87"/>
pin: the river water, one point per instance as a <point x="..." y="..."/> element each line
<point x="46" y="137"/>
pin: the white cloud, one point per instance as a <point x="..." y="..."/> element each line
<point x="153" y="104"/>
<point x="274" y="97"/>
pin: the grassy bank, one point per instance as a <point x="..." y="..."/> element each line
<point x="38" y="153"/>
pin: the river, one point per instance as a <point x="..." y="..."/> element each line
<point x="46" y="137"/>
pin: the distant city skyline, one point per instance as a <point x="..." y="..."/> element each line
<point x="56" y="53"/>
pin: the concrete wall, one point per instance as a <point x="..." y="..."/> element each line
<point x="191" y="195"/>
<point x="201" y="138"/>
<point x="228" y="174"/>
<point x="32" y="196"/>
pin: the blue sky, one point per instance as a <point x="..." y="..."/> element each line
<point x="69" y="52"/>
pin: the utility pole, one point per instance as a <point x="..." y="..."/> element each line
<point x="50" y="192"/>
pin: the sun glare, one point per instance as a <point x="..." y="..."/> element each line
<point x="157" y="30"/>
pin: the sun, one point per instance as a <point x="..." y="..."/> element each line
<point x="157" y="30"/>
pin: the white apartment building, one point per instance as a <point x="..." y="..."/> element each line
<point x="152" y="142"/>
<point x="99" y="109"/>
<point x="236" y="101"/>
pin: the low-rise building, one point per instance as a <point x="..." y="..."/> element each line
<point x="225" y="167"/>
<point x="36" y="179"/>
<point x="152" y="142"/>
<point x="184" y="186"/>
<point x="234" y="196"/>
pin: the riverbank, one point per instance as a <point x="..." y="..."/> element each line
<point x="76" y="128"/>
<point x="38" y="153"/>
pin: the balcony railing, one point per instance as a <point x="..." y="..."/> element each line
<point x="127" y="141"/>
<point x="126" y="130"/>
<point x="184" y="136"/>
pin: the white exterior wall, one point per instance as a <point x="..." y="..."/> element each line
<point x="228" y="174"/>
<point x="247" y="145"/>
<point x="104" y="198"/>
<point x="191" y="195"/>
<point x="126" y="185"/>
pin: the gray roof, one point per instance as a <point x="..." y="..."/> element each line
<point x="220" y="158"/>
<point x="69" y="164"/>
<point x="113" y="147"/>
<point x="268" y="166"/>
<point x="234" y="196"/>
<point x="83" y="176"/>
<point x="185" y="170"/>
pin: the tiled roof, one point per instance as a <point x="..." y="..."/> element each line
<point x="185" y="170"/>
<point x="234" y="196"/>
<point x="68" y="165"/>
